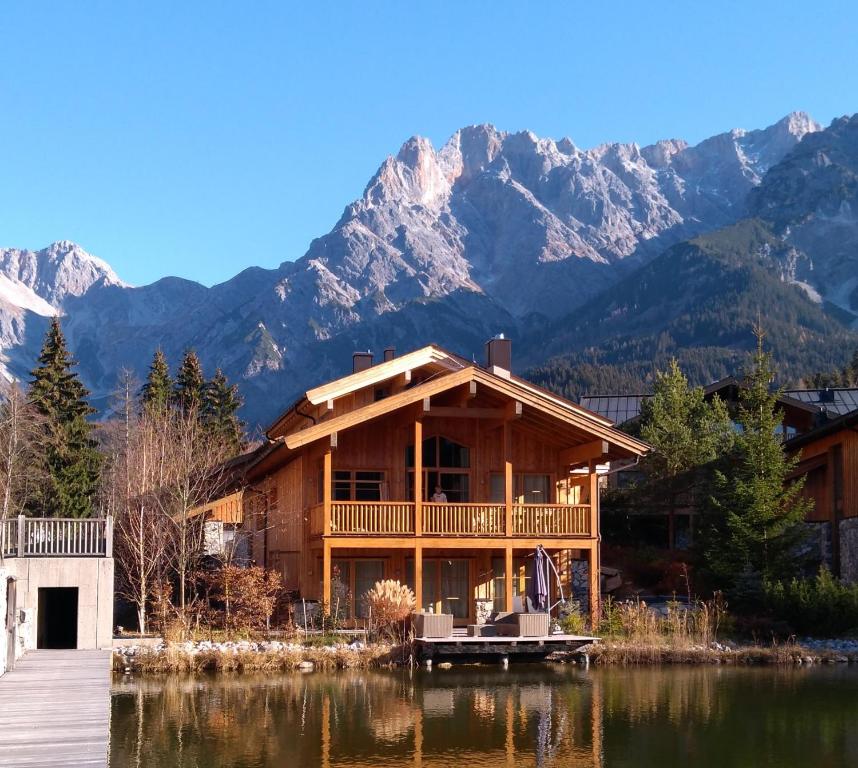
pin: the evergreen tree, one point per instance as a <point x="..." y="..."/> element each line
<point x="755" y="519"/>
<point x="686" y="432"/>
<point x="221" y="405"/>
<point x="157" y="390"/>
<point x="70" y="457"/>
<point x="189" y="390"/>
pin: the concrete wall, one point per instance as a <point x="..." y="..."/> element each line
<point x="93" y="576"/>
<point x="4" y="574"/>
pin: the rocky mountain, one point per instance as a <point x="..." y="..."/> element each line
<point x="492" y="232"/>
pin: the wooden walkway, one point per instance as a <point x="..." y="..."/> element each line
<point x="55" y="710"/>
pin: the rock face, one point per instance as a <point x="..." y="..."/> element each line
<point x="492" y="232"/>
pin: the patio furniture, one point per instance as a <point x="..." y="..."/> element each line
<point x="432" y="624"/>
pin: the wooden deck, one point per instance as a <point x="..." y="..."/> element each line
<point x="55" y="710"/>
<point x="483" y="648"/>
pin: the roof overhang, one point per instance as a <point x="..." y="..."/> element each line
<point x="586" y="426"/>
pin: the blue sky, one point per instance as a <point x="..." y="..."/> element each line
<point x="199" y="138"/>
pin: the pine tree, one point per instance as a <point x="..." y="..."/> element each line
<point x="686" y="432"/>
<point x="189" y="389"/>
<point x="157" y="390"/>
<point x="221" y="405"/>
<point x="70" y="457"/>
<point x="755" y="526"/>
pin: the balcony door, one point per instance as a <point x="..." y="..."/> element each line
<point x="446" y="464"/>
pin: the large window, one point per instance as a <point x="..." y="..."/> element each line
<point x="350" y="581"/>
<point x="446" y="585"/>
<point x="526" y="489"/>
<point x="358" y="485"/>
<point x="445" y="464"/>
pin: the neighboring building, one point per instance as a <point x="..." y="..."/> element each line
<point x="340" y="498"/>
<point x="828" y="461"/>
<point x="804" y="411"/>
<point x="224" y="536"/>
<point x="56" y="585"/>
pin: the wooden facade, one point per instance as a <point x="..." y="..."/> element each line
<point x="828" y="462"/>
<point x="342" y="494"/>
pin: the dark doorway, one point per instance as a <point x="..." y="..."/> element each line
<point x="57" y="617"/>
<point x="11" y="634"/>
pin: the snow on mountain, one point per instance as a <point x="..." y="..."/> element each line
<point x="492" y="230"/>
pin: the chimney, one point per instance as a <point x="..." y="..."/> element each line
<point x="499" y="353"/>
<point x="389" y="354"/>
<point x="361" y="361"/>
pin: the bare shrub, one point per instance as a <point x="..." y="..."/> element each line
<point x="390" y="604"/>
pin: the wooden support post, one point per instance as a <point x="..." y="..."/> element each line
<point x="507" y="472"/>
<point x="595" y="543"/>
<point x="418" y="577"/>
<point x="327" y="480"/>
<point x="326" y="574"/>
<point x="418" y="477"/>
<point x="509" y="577"/>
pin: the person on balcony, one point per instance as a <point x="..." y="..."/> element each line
<point x="439" y="497"/>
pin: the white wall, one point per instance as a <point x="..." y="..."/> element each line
<point x="3" y="576"/>
<point x="93" y="576"/>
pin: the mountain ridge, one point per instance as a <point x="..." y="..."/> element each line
<point x="494" y="231"/>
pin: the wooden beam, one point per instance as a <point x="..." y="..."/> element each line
<point x="330" y="406"/>
<point x="581" y="454"/>
<point x="418" y="477"/>
<point x="427" y="405"/>
<point x="595" y="554"/>
<point x="513" y="410"/>
<point x="418" y="577"/>
<point x="333" y="441"/>
<point x="507" y="472"/>
<point x="327" y="479"/>
<point x="507" y="582"/>
<point x="452" y="412"/>
<point x="326" y="575"/>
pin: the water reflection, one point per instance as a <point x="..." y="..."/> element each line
<point x="534" y="716"/>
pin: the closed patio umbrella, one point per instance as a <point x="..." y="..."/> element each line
<point x="538" y="590"/>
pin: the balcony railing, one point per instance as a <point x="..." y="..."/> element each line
<point x="464" y="519"/>
<point x="392" y="518"/>
<point x="396" y="518"/>
<point x="551" y="520"/>
<point x="56" y="537"/>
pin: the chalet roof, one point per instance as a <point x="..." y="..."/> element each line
<point x="376" y="374"/>
<point x="588" y="425"/>
<point x="847" y="421"/>
<point x="835" y="401"/>
<point x="622" y="408"/>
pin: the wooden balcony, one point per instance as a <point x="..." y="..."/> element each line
<point x="397" y="518"/>
<point x="56" y="537"/>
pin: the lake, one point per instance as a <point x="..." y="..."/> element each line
<point x="484" y="716"/>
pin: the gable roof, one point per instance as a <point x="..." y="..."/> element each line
<point x="589" y="425"/>
<point x="376" y="374"/>
<point x="834" y="401"/>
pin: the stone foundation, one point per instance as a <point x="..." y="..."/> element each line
<point x="581" y="584"/>
<point x="849" y="550"/>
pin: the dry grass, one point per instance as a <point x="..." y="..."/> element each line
<point x="178" y="658"/>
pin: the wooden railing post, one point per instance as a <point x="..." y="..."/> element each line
<point x="108" y="536"/>
<point x="21" y="523"/>
<point x="507" y="474"/>
<point x="418" y="477"/>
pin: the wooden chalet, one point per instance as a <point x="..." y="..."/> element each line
<point x="828" y="462"/>
<point x="342" y="495"/>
